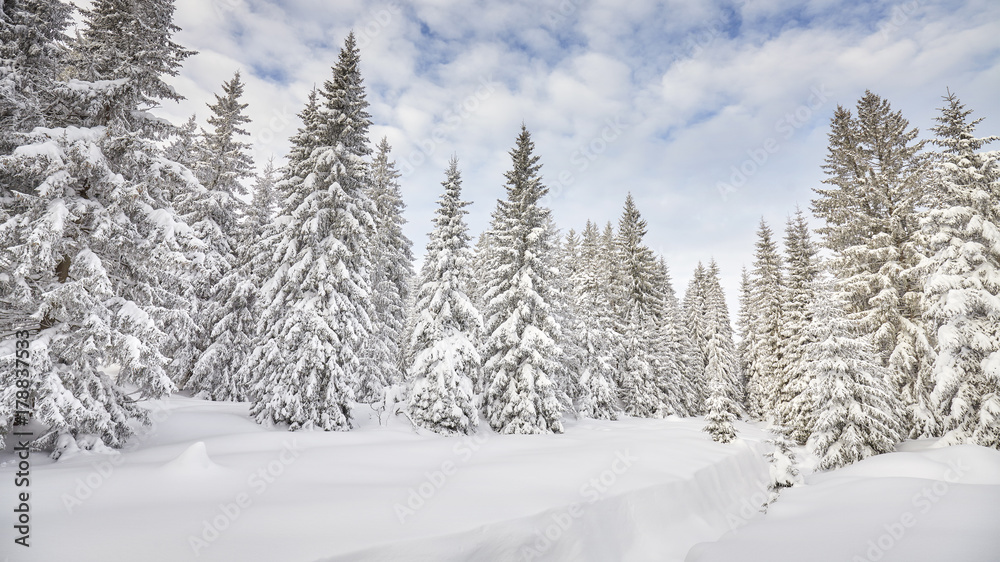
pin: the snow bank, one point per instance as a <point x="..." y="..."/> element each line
<point x="209" y="484"/>
<point x="923" y="505"/>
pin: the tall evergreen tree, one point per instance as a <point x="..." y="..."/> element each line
<point x="392" y="274"/>
<point x="642" y="312"/>
<point x="802" y="271"/>
<point x="309" y="361"/>
<point x="697" y="325"/>
<point x="745" y="327"/>
<point x="521" y="348"/>
<point x="764" y="351"/>
<point x="963" y="289"/>
<point x="94" y="246"/>
<point x="675" y="350"/>
<point x="446" y="358"/>
<point x="876" y="175"/>
<point x="858" y="413"/>
<point x="215" y="214"/>
<point x="598" y="393"/>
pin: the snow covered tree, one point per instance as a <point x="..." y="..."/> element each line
<point x="745" y="327"/>
<point x="445" y="356"/>
<point x="764" y="351"/>
<point x="598" y="393"/>
<point x="215" y="214"/>
<point x="802" y="271"/>
<point x="521" y="350"/>
<point x="262" y="206"/>
<point x="92" y="252"/>
<point x="696" y="323"/>
<point x="223" y="159"/>
<point x="858" y="413"/>
<point x="963" y="288"/>
<point x="391" y="275"/>
<point x="722" y="411"/>
<point x="674" y="355"/>
<point x="183" y="149"/>
<point x="642" y="310"/>
<point x="32" y="53"/>
<point x="877" y="191"/>
<point x="308" y="360"/>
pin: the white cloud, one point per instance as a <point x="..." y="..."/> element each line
<point x="696" y="85"/>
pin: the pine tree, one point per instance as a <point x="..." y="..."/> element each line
<point x="877" y="191"/>
<point x="598" y="393"/>
<point x="642" y="308"/>
<point x="675" y="352"/>
<point x="745" y="328"/>
<point x="32" y="53"/>
<point x="93" y="249"/>
<point x="963" y="289"/>
<point x="697" y="326"/>
<point x="521" y="348"/>
<point x="224" y="363"/>
<point x="183" y="149"/>
<point x="309" y="361"/>
<point x="858" y="414"/>
<point x="215" y="214"/>
<point x="446" y="359"/>
<point x="391" y="275"/>
<point x="719" y="333"/>
<point x="566" y="309"/>
<point x="764" y="351"/>
<point x="802" y="271"/>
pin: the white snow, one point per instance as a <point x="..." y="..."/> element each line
<point x="207" y="483"/>
<point x="627" y="490"/>
<point x="918" y="505"/>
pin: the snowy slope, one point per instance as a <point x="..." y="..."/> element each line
<point x="921" y="505"/>
<point x="209" y="484"/>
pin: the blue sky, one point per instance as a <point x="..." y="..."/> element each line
<point x="712" y="113"/>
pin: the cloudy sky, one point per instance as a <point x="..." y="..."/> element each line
<point x="712" y="113"/>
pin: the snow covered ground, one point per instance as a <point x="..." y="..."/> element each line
<point x="918" y="505"/>
<point x="206" y="483"/>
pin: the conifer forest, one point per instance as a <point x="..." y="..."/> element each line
<point x="252" y="355"/>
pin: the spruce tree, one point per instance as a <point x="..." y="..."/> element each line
<point x="675" y="351"/>
<point x="598" y="393"/>
<point x="215" y="214"/>
<point x="309" y="359"/>
<point x="696" y="323"/>
<point x="802" y="271"/>
<point x="764" y="351"/>
<point x="642" y="310"/>
<point x="877" y="192"/>
<point x="445" y="357"/>
<point x="93" y="251"/>
<point x="745" y="328"/>
<point x="858" y="413"/>
<point x="521" y="349"/>
<point x="963" y="288"/>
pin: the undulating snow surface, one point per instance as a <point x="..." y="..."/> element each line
<point x="207" y="483"/>
<point x="918" y="505"/>
<point x="626" y="490"/>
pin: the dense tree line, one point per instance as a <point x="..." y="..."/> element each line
<point x="131" y="246"/>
